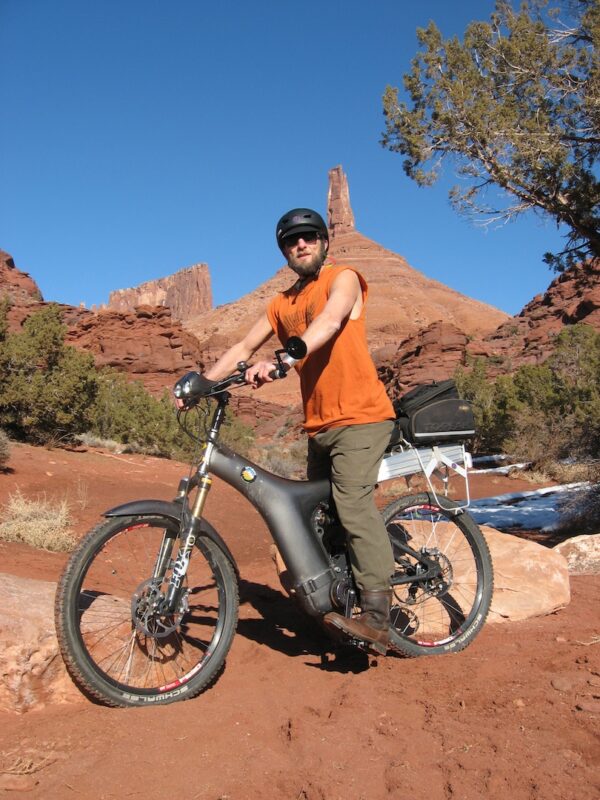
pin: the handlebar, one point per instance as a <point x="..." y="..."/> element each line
<point x="194" y="386"/>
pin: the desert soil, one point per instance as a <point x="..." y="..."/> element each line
<point x="516" y="715"/>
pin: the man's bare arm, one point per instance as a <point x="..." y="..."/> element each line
<point x="258" y="334"/>
<point x="344" y="302"/>
<point x="344" y="299"/>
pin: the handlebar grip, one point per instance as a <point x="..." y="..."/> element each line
<point x="277" y="373"/>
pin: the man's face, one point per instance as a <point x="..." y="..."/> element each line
<point x="305" y="255"/>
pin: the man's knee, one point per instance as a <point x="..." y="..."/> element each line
<point x="354" y="503"/>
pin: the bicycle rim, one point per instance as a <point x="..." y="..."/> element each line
<point x="444" y="613"/>
<point x="122" y="649"/>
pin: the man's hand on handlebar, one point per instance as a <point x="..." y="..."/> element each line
<point x="262" y="372"/>
<point x="193" y="386"/>
<point x="189" y="389"/>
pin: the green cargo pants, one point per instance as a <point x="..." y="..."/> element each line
<point x="350" y="456"/>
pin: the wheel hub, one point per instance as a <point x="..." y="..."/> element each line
<point x="146" y="610"/>
<point x="442" y="582"/>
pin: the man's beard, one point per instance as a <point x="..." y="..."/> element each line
<point x="305" y="267"/>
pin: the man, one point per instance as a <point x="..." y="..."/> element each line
<point x="347" y="412"/>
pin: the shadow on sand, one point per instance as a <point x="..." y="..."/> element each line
<point x="284" y="627"/>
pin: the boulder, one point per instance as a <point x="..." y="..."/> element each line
<point x="529" y="580"/>
<point x="31" y="669"/>
<point x="582" y="554"/>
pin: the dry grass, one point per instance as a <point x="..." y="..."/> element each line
<point x="289" y="461"/>
<point x="111" y="446"/>
<point x="558" y="472"/>
<point x="38" y="523"/>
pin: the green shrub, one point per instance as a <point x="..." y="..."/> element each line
<point x="126" y="413"/>
<point x="4" y="448"/>
<point x="4" y="309"/>
<point x="46" y="387"/>
<point x="50" y="392"/>
<point x="541" y="413"/>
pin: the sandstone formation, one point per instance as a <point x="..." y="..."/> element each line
<point x="145" y="344"/>
<point x="31" y="668"/>
<point x="340" y="218"/>
<point x="527" y="337"/>
<point x="19" y="286"/>
<point x="432" y="354"/>
<point x="20" y="289"/>
<point x="187" y="293"/>
<point x="582" y="554"/>
<point x="529" y="579"/>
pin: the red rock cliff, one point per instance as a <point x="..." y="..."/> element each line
<point x="146" y="344"/>
<point x="187" y="293"/>
<point x="574" y="296"/>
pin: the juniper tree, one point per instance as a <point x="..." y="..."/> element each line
<point x="516" y="106"/>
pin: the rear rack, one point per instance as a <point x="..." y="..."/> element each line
<point x="436" y="461"/>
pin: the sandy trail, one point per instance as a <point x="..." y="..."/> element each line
<point x="515" y="715"/>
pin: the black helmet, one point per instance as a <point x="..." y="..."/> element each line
<point x="298" y="220"/>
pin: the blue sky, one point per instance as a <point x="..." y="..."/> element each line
<point x="139" y="137"/>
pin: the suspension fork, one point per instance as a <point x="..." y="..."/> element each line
<point x="192" y="517"/>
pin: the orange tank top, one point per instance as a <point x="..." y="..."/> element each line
<point x="339" y="381"/>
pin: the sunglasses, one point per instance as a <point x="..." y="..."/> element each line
<point x="309" y="237"/>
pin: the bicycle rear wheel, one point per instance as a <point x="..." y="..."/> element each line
<point x="117" y="645"/>
<point x="441" y="613"/>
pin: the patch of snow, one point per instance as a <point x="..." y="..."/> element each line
<point x="535" y="510"/>
<point x="501" y="470"/>
<point x="496" y="465"/>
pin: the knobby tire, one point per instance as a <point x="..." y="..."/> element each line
<point x="116" y="649"/>
<point x="430" y="617"/>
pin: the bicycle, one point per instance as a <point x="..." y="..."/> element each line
<point x="147" y="606"/>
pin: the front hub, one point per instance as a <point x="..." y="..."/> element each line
<point x="147" y="611"/>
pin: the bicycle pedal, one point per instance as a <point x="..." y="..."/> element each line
<point x="372" y="648"/>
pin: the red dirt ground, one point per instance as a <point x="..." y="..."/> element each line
<point x="516" y="715"/>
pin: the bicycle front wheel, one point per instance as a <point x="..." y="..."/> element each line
<point x="117" y="643"/>
<point x="440" y="609"/>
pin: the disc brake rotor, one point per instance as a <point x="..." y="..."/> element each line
<point x="439" y="585"/>
<point x="147" y="617"/>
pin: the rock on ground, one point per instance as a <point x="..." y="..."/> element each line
<point x="529" y="579"/>
<point x="582" y="554"/>
<point x="31" y="669"/>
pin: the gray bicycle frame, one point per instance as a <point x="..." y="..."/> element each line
<point x="289" y="508"/>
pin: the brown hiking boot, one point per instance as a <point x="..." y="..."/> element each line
<point x="372" y="625"/>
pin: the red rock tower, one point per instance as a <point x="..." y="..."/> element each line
<point x="340" y="218"/>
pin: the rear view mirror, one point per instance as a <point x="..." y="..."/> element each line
<point x="295" y="347"/>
